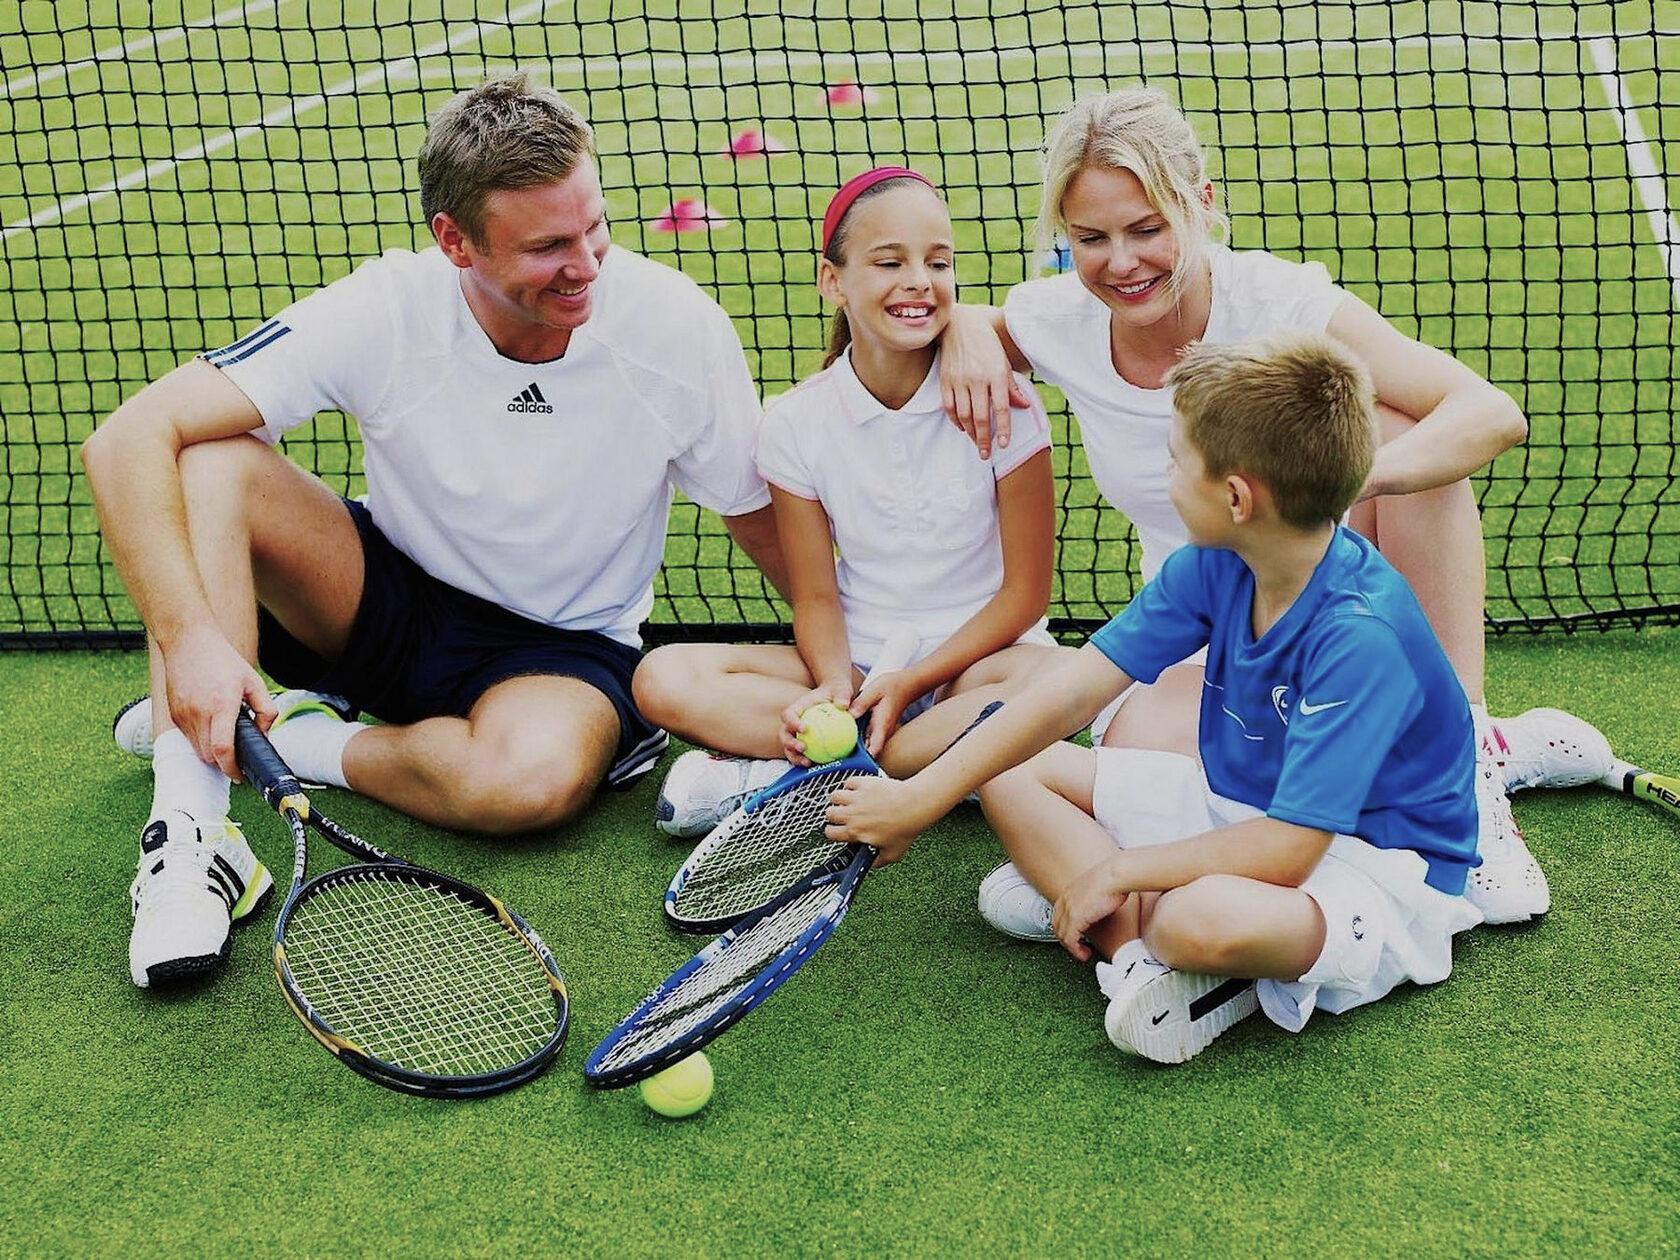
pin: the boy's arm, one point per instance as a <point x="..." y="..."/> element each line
<point x="889" y="815"/>
<point x="1265" y="849"/>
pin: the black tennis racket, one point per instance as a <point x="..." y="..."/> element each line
<point x="715" y="989"/>
<point x="1662" y="790"/>
<point x="775" y="838"/>
<point x="419" y="982"/>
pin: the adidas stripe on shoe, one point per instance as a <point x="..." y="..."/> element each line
<point x="193" y="883"/>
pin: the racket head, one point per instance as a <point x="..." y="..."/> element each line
<point x="715" y="989"/>
<point x="761" y="850"/>
<point x="420" y="982"/>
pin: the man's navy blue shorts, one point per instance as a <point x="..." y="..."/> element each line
<point x="421" y="648"/>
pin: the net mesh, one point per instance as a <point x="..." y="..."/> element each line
<point x="1491" y="176"/>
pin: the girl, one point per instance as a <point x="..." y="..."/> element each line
<point x="861" y="459"/>
<point x="1125" y="179"/>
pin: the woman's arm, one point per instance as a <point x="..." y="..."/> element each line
<point x="1463" y="422"/>
<point x="976" y="358"/>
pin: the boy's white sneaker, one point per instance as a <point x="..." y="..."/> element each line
<point x="1548" y="748"/>
<point x="132" y="727"/>
<point x="193" y="882"/>
<point x="701" y="789"/>
<point x="1013" y="906"/>
<point x="1165" y="1015"/>
<point x="1508" y="886"/>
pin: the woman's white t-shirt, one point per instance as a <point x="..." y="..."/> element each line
<point x="1063" y="330"/>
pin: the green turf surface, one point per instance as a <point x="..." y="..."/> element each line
<point x="1458" y="165"/>
<point x="922" y="1087"/>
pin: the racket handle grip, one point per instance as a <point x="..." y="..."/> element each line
<point x="261" y="764"/>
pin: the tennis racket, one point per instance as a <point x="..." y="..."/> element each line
<point x="1662" y="790"/>
<point x="775" y="838"/>
<point x="714" y="990"/>
<point x="419" y="982"/>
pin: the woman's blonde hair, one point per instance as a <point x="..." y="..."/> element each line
<point x="1134" y="129"/>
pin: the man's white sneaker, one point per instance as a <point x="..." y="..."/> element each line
<point x="1508" y="886"/>
<point x="1548" y="748"/>
<point x="193" y="882"/>
<point x="132" y="727"/>
<point x="1166" y="1015"/>
<point x="702" y="789"/>
<point x="1013" y="906"/>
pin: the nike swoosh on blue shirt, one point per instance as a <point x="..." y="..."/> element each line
<point x="1307" y="710"/>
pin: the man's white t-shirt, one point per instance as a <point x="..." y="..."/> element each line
<point x="542" y="487"/>
<point x="1063" y="330"/>
<point x="912" y="506"/>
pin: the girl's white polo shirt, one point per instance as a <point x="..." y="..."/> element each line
<point x="912" y="506"/>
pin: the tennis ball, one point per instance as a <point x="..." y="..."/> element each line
<point x="830" y="732"/>
<point x="681" y="1089"/>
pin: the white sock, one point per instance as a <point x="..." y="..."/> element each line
<point x="181" y="781"/>
<point x="312" y="744"/>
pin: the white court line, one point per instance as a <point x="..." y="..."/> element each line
<point x="152" y="39"/>
<point x="382" y="72"/>
<point x="1641" y="159"/>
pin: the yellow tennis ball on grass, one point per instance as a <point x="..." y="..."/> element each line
<point x="681" y="1089"/>
<point x="830" y="732"/>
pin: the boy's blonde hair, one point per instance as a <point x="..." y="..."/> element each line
<point x="1295" y="411"/>
<point x="504" y="134"/>
<point x="1134" y="129"/>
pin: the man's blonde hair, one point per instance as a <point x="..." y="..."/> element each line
<point x="504" y="134"/>
<point x="1295" y="411"/>
<point x="1134" y="129"/>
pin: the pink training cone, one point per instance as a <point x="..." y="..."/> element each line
<point x="690" y="214"/>
<point x="754" y="143"/>
<point x="846" y="94"/>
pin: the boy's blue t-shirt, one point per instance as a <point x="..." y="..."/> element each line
<point x="1345" y="715"/>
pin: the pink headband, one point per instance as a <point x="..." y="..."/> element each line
<point x="854" y="188"/>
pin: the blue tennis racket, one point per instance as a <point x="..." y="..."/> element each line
<point x="714" y="990"/>
<point x="775" y="838"/>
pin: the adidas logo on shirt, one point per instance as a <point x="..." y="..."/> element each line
<point x="530" y="399"/>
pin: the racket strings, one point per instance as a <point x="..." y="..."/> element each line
<point x="762" y="855"/>
<point x="671" y="1014"/>
<point x="417" y="976"/>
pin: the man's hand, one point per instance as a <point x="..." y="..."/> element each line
<point x="207" y="682"/>
<point x="1089" y="899"/>
<point x="881" y="812"/>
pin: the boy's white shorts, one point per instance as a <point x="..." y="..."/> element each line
<point x="1383" y="924"/>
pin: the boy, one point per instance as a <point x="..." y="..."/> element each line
<point x="1321" y="843"/>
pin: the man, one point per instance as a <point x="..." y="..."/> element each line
<point x="527" y="395"/>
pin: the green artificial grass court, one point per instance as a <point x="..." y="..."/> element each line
<point x="924" y="1086"/>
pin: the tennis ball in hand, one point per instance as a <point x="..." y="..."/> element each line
<point x="830" y="732"/>
<point x="681" y="1089"/>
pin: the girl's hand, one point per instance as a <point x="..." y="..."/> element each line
<point x="837" y="693"/>
<point x="884" y="699"/>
